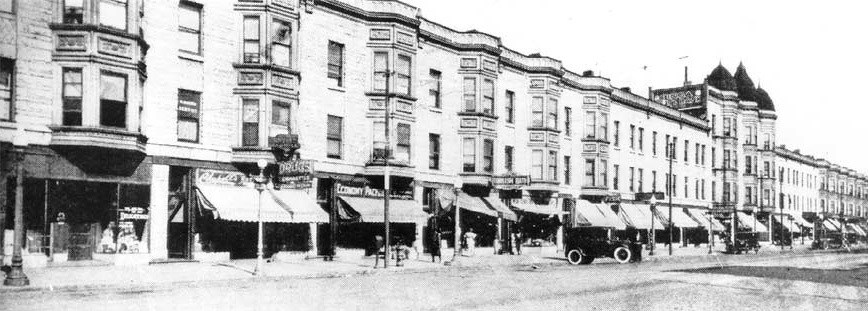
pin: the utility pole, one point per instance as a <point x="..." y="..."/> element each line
<point x="457" y="231"/>
<point x="386" y="177"/>
<point x="781" y="194"/>
<point x="671" y="150"/>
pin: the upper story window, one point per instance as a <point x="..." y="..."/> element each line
<point x="603" y="132"/>
<point x="281" y="44"/>
<point x="590" y="124"/>
<point x="250" y="122"/>
<point x="113" y="99"/>
<point x="536" y="110"/>
<point x="553" y="165"/>
<point x="381" y="67"/>
<point x="334" y="137"/>
<point x="641" y="139"/>
<point x="6" y="6"/>
<point x="654" y="143"/>
<point x="336" y="63"/>
<point x="251" y="39"/>
<point x="402" y="73"/>
<point x="488" y="96"/>
<point x="402" y="150"/>
<point x="509" y="106"/>
<point x="434" y="151"/>
<point x="73" y="11"/>
<point x="434" y="91"/>
<point x="188" y="115"/>
<point x="190" y="27"/>
<point x="590" y="172"/>
<point x="507" y="158"/>
<point x="552" y="121"/>
<point x="469" y="155"/>
<point x="469" y="94"/>
<point x="6" y="78"/>
<point x="536" y="164"/>
<point x="617" y="133"/>
<point x="727" y="127"/>
<point x="568" y="120"/>
<point x="113" y="13"/>
<point x="488" y="156"/>
<point x="632" y="136"/>
<point x="567" y="170"/>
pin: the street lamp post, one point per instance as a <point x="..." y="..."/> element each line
<point x="386" y="176"/>
<point x="652" y="234"/>
<point x="261" y="184"/>
<point x="16" y="276"/>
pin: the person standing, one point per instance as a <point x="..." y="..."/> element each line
<point x="470" y="241"/>
<point x="435" y="246"/>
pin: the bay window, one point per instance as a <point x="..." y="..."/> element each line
<point x="536" y="164"/>
<point x="488" y="156"/>
<point x="279" y="118"/>
<point x="552" y="121"/>
<point x="536" y="110"/>
<point x="251" y="39"/>
<point x="603" y="132"/>
<point x="73" y="11"/>
<point x="469" y="94"/>
<point x="590" y="124"/>
<point x="113" y="99"/>
<point x="402" y="150"/>
<point x="381" y="66"/>
<point x="250" y="122"/>
<point x="469" y="155"/>
<point x="553" y="165"/>
<point x="604" y="173"/>
<point x="113" y="13"/>
<point x="488" y="96"/>
<point x="281" y="46"/>
<point x="403" y="81"/>
<point x="590" y="173"/>
<point x="71" y="93"/>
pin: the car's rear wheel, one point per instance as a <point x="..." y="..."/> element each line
<point x="575" y="257"/>
<point x="622" y="254"/>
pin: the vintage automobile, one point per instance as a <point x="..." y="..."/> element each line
<point x="744" y="242"/>
<point x="583" y="250"/>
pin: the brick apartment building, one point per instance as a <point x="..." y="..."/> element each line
<point x="140" y="124"/>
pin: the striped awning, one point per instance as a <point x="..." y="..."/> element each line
<point x="679" y="218"/>
<point x="750" y="222"/>
<point x="474" y="204"/>
<point x="372" y="210"/>
<point x="858" y="230"/>
<point x="703" y="217"/>
<point x="639" y="216"/>
<point x="600" y="215"/>
<point x="241" y="204"/>
<point x="528" y="206"/>
<point x="301" y="206"/>
<point x="500" y="208"/>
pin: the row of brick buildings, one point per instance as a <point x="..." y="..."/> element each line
<point x="139" y="125"/>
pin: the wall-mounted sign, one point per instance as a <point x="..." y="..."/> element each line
<point x="510" y="180"/>
<point x="680" y="97"/>
<point x="612" y="198"/>
<point x="226" y="178"/>
<point x="372" y="193"/>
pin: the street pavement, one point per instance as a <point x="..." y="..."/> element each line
<point x="800" y="280"/>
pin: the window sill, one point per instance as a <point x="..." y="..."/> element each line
<point x="435" y="110"/>
<point x="191" y="57"/>
<point x="337" y="89"/>
<point x="510" y="125"/>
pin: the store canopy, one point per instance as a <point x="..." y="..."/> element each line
<point x="750" y="222"/>
<point x="799" y="220"/>
<point x="680" y="219"/>
<point x="703" y="217"/>
<point x="501" y="208"/>
<point x="241" y="204"/>
<point x="829" y="225"/>
<point x="372" y="210"/>
<point x="791" y="226"/>
<point x="474" y="204"/>
<point x="639" y="216"/>
<point x="600" y="215"/>
<point x="528" y="206"/>
<point x="858" y="230"/>
<point x="301" y="206"/>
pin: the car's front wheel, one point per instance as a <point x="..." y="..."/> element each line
<point x="575" y="257"/>
<point x="622" y="254"/>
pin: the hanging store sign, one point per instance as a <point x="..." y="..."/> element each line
<point x="372" y="193"/>
<point x="295" y="174"/>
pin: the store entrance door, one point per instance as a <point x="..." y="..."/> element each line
<point x="180" y="232"/>
<point x="82" y="241"/>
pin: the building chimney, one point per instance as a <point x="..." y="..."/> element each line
<point x="686" y="82"/>
<point x="626" y="89"/>
<point x="588" y="73"/>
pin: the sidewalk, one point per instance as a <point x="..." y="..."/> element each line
<point x="173" y="274"/>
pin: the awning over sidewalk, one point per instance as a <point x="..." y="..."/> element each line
<point x="371" y="210"/>
<point x="791" y="226"/>
<point x="241" y="204"/>
<point x="474" y="204"/>
<point x="501" y="208"/>
<point x="301" y="206"/>
<point x="679" y="218"/>
<point x="639" y="216"/>
<point x="600" y="215"/>
<point x="528" y="206"/>
<point x="833" y="225"/>
<point x="703" y="217"/>
<point x="858" y="230"/>
<point x="799" y="220"/>
<point x="750" y="222"/>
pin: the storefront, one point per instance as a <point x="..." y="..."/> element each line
<point x="362" y="214"/>
<point x="540" y="221"/>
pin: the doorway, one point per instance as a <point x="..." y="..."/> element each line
<point x="181" y="215"/>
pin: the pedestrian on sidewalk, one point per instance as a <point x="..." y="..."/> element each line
<point x="470" y="241"/>
<point x="435" y="246"/>
<point x="517" y="236"/>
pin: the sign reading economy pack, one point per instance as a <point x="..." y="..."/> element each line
<point x="372" y="193"/>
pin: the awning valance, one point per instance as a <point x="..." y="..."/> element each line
<point x="501" y="208"/>
<point x="600" y="215"/>
<point x="301" y="206"/>
<point x="750" y="222"/>
<point x="703" y="218"/>
<point x="240" y="204"/>
<point x="372" y="210"/>
<point x="639" y="216"/>
<point x="528" y="206"/>
<point x="679" y="218"/>
<point x="474" y="204"/>
<point x="799" y="220"/>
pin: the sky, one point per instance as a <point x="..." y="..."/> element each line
<point x="811" y="57"/>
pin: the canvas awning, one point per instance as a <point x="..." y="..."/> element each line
<point x="301" y="206"/>
<point x="600" y="215"/>
<point x="791" y="226"/>
<point x="639" y="216"/>
<point x="750" y="222"/>
<point x="241" y="204"/>
<point x="679" y="218"/>
<point x="799" y="220"/>
<point x="501" y="208"/>
<point x="703" y="217"/>
<point x="528" y="206"/>
<point x="372" y="210"/>
<point x="474" y="204"/>
<point x="858" y="230"/>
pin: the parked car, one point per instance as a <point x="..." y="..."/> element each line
<point x="583" y="250"/>
<point x="744" y="242"/>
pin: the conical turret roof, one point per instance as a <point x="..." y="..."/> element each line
<point x="763" y="100"/>
<point x="721" y="79"/>
<point x="744" y="85"/>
